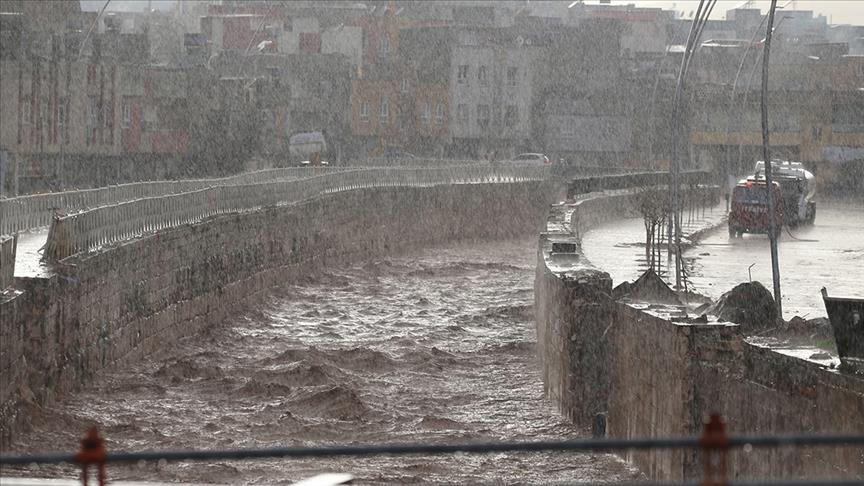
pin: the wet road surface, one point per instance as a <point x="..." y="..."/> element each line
<point x="437" y="347"/>
<point x="28" y="254"/>
<point x="828" y="254"/>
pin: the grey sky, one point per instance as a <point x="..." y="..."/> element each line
<point x="837" y="11"/>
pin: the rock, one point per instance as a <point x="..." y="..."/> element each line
<point x="797" y="324"/>
<point x="649" y="287"/>
<point x="749" y="304"/>
<point x="820" y="327"/>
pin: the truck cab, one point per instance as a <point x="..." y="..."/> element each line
<point x="749" y="207"/>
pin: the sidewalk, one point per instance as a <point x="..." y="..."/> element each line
<point x="618" y="247"/>
<point x="28" y="256"/>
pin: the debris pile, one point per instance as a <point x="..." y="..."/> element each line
<point x="748" y="304"/>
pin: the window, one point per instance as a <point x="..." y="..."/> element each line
<point x="61" y="118"/>
<point x="364" y="111"/>
<point x="481" y="75"/>
<point x="310" y="42"/>
<point x="126" y="112"/>
<point x="439" y="114"/>
<point x="108" y="122"/>
<point x="462" y="113"/>
<point x="384" y="45"/>
<point x="384" y="112"/>
<point x="26" y="111"/>
<point x="425" y="114"/>
<point x="483" y="116"/>
<point x="92" y="121"/>
<point x="462" y="74"/>
<point x="405" y="85"/>
<point x="512" y="76"/>
<point x="511" y="116"/>
<point x="43" y="118"/>
<point x="816" y="133"/>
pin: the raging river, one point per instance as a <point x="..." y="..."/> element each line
<point x="434" y="347"/>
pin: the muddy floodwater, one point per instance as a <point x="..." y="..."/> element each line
<point x="435" y="347"/>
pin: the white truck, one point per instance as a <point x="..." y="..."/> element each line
<point x="306" y="148"/>
<point x="797" y="188"/>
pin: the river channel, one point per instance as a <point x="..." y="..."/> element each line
<point x="433" y="347"/>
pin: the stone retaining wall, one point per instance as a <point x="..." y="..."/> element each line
<point x="115" y="306"/>
<point x="8" y="246"/>
<point x="654" y="377"/>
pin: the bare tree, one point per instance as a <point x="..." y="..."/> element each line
<point x="653" y="206"/>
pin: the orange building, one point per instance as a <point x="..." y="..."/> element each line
<point x="393" y="108"/>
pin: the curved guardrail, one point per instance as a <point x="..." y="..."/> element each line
<point x="34" y="211"/>
<point x="90" y="229"/>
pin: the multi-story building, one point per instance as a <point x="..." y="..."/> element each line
<point x="399" y="104"/>
<point x="815" y="106"/>
<point x="601" y="97"/>
<point x="59" y="113"/>
<point x="84" y="105"/>
<point x="492" y="76"/>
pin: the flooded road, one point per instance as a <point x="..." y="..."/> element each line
<point x="828" y="254"/>
<point x="436" y="347"/>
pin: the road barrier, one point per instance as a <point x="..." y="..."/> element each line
<point x="583" y="185"/>
<point x="91" y="228"/>
<point x="23" y="213"/>
<point x="34" y="211"/>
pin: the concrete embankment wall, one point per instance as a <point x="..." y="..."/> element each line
<point x="654" y="377"/>
<point x="117" y="305"/>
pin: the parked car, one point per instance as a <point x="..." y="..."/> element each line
<point x="529" y="159"/>
<point x="309" y="163"/>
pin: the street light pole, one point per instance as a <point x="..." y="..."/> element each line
<point x="766" y="154"/>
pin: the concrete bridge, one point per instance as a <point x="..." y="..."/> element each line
<point x="136" y="266"/>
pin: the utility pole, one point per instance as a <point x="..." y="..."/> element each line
<point x="766" y="155"/>
<point x="674" y="237"/>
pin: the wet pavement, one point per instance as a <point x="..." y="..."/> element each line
<point x="433" y="347"/>
<point x="828" y="254"/>
<point x="618" y="247"/>
<point x="28" y="256"/>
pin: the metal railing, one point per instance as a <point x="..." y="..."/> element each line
<point x="714" y="443"/>
<point x="415" y="162"/>
<point x="34" y="211"/>
<point x="89" y="229"/>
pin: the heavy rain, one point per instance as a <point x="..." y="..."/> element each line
<point x="233" y="225"/>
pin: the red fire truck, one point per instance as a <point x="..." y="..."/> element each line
<point x="792" y="193"/>
<point x="749" y="209"/>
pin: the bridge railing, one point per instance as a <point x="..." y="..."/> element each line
<point x="89" y="229"/>
<point x="34" y="211"/>
<point x="417" y="162"/>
